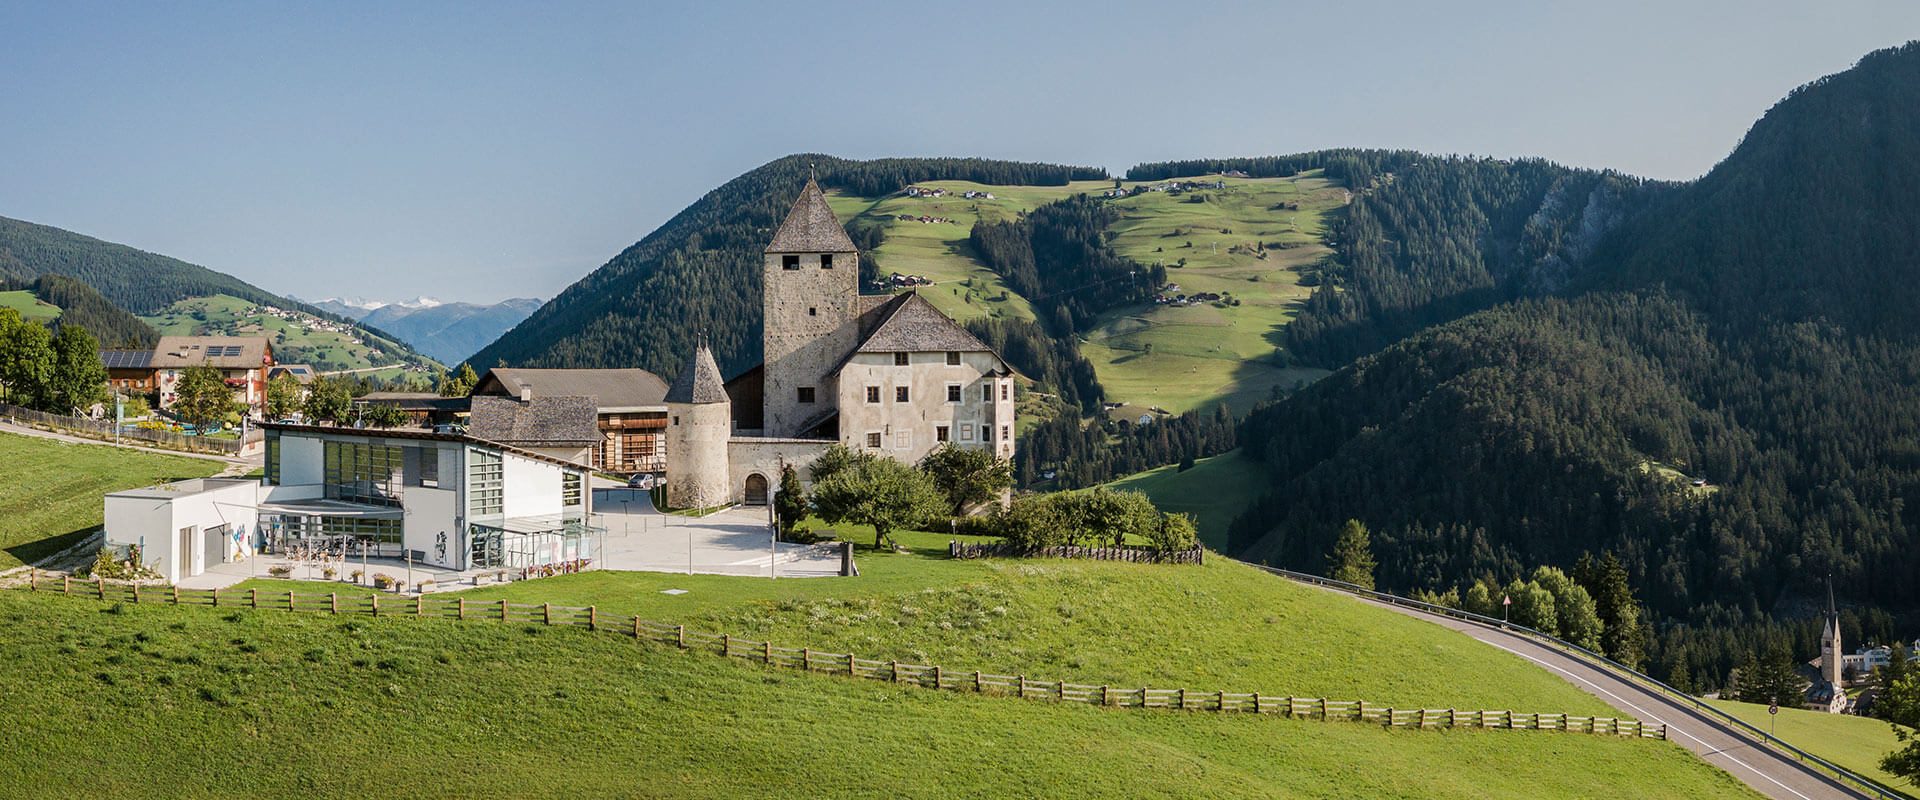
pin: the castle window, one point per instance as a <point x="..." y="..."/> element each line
<point x="903" y="440"/>
<point x="986" y="433"/>
<point x="789" y="262"/>
<point x="966" y="433"/>
<point x="986" y="393"/>
<point x="873" y="440"/>
<point x="873" y="394"/>
<point x="1005" y="386"/>
<point x="806" y="394"/>
<point x="953" y="358"/>
<point x="813" y="311"/>
<point x="953" y="393"/>
<point x="1006" y="433"/>
<point x="899" y="394"/>
<point x="899" y="359"/>
<point x="940" y="433"/>
<point x="826" y="261"/>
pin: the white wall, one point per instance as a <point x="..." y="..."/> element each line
<point x="910" y="430"/>
<point x="148" y="522"/>
<point x="531" y="488"/>
<point x="302" y="460"/>
<point x="154" y="523"/>
<point x="429" y="514"/>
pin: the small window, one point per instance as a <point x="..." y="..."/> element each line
<point x="899" y="394"/>
<point x="429" y="467"/>
<point x="813" y="311"/>
<point x="953" y="358"/>
<point x="873" y="440"/>
<point x="953" y="393"/>
<point x="966" y="433"/>
<point x="1005" y="387"/>
<point x="806" y="394"/>
<point x="826" y="261"/>
<point x="940" y="433"/>
<point x="903" y="440"/>
<point x="986" y="433"/>
<point x="1006" y="433"/>
<point x="899" y="359"/>
<point x="789" y="262"/>
<point x="676" y="420"/>
<point x="986" y="393"/>
<point x="873" y="394"/>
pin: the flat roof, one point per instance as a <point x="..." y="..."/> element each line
<point x="422" y="435"/>
<point x="186" y="488"/>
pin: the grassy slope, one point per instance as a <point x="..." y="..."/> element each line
<point x="1215" y="491"/>
<point x="215" y="703"/>
<point x="1088" y="622"/>
<point x="1856" y="743"/>
<point x="1212" y="354"/>
<point x="31" y="308"/>
<point x="225" y="314"/>
<point x="50" y="491"/>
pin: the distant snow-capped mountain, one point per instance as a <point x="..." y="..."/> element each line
<point x="448" y="331"/>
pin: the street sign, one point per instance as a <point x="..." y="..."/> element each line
<point x="1773" y="708"/>
<point x="1506" y="600"/>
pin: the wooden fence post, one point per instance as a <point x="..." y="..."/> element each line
<point x="680" y="636"/>
<point x="1361" y="713"/>
<point x="290" y="601"/>
<point x="852" y="669"/>
<point x="637" y="635"/>
<point x="374" y="600"/>
<point x="767" y="651"/>
<point x="1256" y="703"/>
<point x="1289" y="711"/>
<point x="419" y="605"/>
<point x="977" y="687"/>
<point x="1452" y="720"/>
<point x="1422" y="720"/>
<point x="100" y="584"/>
<point x="1221" y="700"/>
<point x="461" y="607"/>
<point x="66" y="584"/>
<point x="806" y="658"/>
<point x="1060" y="690"/>
<point x="593" y="618"/>
<point x="938" y="677"/>
<point x="546" y="613"/>
<point x="176" y="595"/>
<point x="1105" y="696"/>
<point x="1183" y="698"/>
<point x="33" y="577"/>
<point x="253" y="598"/>
<point x="726" y="644"/>
<point x="503" y="609"/>
<point x="1323" y="708"/>
<point x="333" y="601"/>
<point x="1023" y="687"/>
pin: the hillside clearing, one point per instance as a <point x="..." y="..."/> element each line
<point x="31" y="308"/>
<point x="1214" y="491"/>
<point x="292" y="341"/>
<point x="54" y="488"/>
<point x="212" y="703"/>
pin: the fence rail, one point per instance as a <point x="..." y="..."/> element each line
<point x="1739" y="726"/>
<point x="103" y="430"/>
<point x="1139" y="555"/>
<point x="925" y="675"/>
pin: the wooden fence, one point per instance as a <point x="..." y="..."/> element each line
<point x="847" y="664"/>
<point x="1138" y="555"/>
<point x="103" y="430"/>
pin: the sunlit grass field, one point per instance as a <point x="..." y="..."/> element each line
<point x="51" y="491"/>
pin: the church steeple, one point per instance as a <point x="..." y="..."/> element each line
<point x="1830" y="647"/>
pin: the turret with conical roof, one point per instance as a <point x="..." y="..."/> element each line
<point x="810" y="302"/>
<point x="699" y="422"/>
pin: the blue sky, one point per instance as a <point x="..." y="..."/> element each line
<point x="478" y="151"/>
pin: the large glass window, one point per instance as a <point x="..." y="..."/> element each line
<point x="273" y="459"/>
<point x="484" y="483"/>
<point x="570" y="489"/>
<point x="361" y="472"/>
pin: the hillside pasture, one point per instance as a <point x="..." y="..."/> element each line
<point x="170" y="701"/>
<point x="1214" y="491"/>
<point x="31" y="308"/>
<point x="1856" y="743"/>
<point x="292" y="342"/>
<point x="53" y="489"/>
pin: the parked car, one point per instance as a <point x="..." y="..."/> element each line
<point x="644" y="481"/>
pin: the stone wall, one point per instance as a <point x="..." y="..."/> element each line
<point x="809" y="326"/>
<point x="764" y="456"/>
<point x="696" y="438"/>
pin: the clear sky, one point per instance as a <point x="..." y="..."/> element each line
<point x="477" y="151"/>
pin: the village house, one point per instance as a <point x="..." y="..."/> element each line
<point x="243" y="361"/>
<point x="629" y="410"/>
<point x="889" y="375"/>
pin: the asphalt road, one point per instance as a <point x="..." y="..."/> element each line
<point x="1768" y="771"/>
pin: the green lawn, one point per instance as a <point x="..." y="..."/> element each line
<point x="1856" y="743"/>
<point x="1215" y="491"/>
<point x="1222" y="626"/>
<point x="31" y="308"/>
<point x="158" y="701"/>
<point x="52" y="489"/>
<point x="293" y="342"/>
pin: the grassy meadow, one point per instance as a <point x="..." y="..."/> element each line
<point x="31" y="308"/>
<point x="1215" y="491"/>
<point x="292" y="342"/>
<point x="50" y="490"/>
<point x="156" y="701"/>
<point x="1856" y="743"/>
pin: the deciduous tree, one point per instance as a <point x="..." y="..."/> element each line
<point x="881" y="492"/>
<point x="967" y="476"/>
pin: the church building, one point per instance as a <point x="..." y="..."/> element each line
<point x="885" y="374"/>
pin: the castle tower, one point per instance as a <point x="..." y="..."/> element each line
<point x="699" y="421"/>
<point x="809" y="299"/>
<point x="1830" y="668"/>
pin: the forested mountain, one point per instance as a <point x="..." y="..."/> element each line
<point x="700" y="272"/>
<point x="133" y="280"/>
<point x="1724" y="389"/>
<point x="80" y="305"/>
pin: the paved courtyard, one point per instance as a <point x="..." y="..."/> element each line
<point x="736" y="541"/>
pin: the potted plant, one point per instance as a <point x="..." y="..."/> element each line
<point x="399" y="585"/>
<point x="356" y="575"/>
<point x="382" y="581"/>
<point x="329" y="573"/>
<point x="280" y="570"/>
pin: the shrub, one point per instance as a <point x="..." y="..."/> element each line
<point x="329" y="573"/>
<point x="382" y="580"/>
<point x="357" y="575"/>
<point x="1174" y="533"/>
<point x="280" y="570"/>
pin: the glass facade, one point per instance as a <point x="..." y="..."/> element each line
<point x="273" y="459"/>
<point x="346" y="535"/>
<point x="485" y="480"/>
<point x="358" y="472"/>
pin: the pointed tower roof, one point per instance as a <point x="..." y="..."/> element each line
<point x="699" y="381"/>
<point x="811" y="227"/>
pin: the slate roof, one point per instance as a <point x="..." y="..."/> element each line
<point x="910" y="324"/>
<point x="226" y="352"/>
<point x="699" y="381"/>
<point x="612" y="388"/>
<point x="811" y="227"/>
<point x="300" y="372"/>
<point x="550" y="420"/>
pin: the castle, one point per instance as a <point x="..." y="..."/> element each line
<point x="884" y="374"/>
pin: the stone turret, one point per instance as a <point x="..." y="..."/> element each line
<point x="699" y="422"/>
<point x="810" y="300"/>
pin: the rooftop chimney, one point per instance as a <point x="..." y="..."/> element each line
<point x="526" y="393"/>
